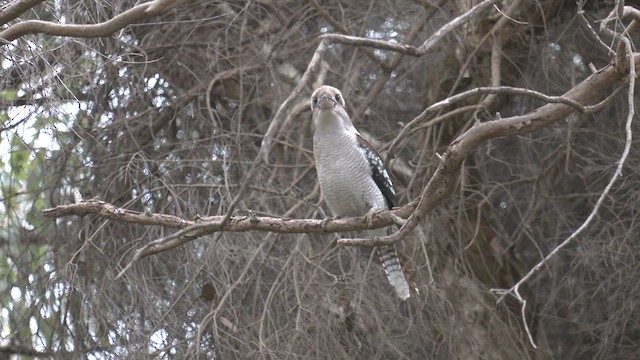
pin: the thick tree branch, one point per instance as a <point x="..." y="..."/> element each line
<point x="205" y="226"/>
<point x="111" y="212"/>
<point x="503" y="90"/>
<point x="211" y="224"/>
<point x="135" y="14"/>
<point x="594" y="87"/>
<point x="16" y="9"/>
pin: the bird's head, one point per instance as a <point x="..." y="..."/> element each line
<point x="326" y="98"/>
<point x="328" y="108"/>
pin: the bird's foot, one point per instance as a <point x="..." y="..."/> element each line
<point x="369" y="216"/>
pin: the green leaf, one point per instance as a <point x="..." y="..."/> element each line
<point x="9" y="95"/>
<point x="19" y="158"/>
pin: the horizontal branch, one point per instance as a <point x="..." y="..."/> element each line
<point x="208" y="225"/>
<point x="211" y="224"/>
<point x="15" y="349"/>
<point x="111" y="212"/>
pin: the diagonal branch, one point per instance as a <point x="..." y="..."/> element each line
<point x="444" y="179"/>
<point x="408" y="49"/>
<point x="275" y="125"/>
<point x="508" y="90"/>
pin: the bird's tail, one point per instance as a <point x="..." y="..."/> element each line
<point x="393" y="269"/>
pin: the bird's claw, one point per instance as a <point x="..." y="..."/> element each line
<point x="369" y="217"/>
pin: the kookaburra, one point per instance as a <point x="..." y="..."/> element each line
<point x="352" y="176"/>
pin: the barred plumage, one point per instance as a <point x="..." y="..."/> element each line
<point x="351" y="174"/>
<point x="393" y="269"/>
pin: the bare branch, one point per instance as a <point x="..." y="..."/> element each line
<point x="135" y="14"/>
<point x="408" y="49"/>
<point x="367" y="42"/>
<point x="211" y="224"/>
<point x="443" y="179"/>
<point x="339" y="27"/>
<point x="454" y="24"/>
<point x="506" y="90"/>
<point x="111" y="212"/>
<point x="16" y="9"/>
<point x="16" y="349"/>
<point x="283" y="110"/>
<point x="480" y="91"/>
<point x="629" y="57"/>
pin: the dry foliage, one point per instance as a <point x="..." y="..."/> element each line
<point x="160" y="111"/>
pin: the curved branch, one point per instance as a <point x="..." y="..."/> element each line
<point x="515" y="289"/>
<point x="16" y="9"/>
<point x="443" y="180"/>
<point x="481" y="91"/>
<point x="102" y="29"/>
<point x="408" y="49"/>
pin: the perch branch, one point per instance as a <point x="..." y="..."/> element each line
<point x="211" y="224"/>
<point x="190" y="230"/>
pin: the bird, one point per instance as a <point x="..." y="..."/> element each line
<point x="352" y="176"/>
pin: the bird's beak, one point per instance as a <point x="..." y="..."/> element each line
<point x="326" y="102"/>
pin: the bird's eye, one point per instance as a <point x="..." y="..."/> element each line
<point x="338" y="97"/>
<point x="315" y="100"/>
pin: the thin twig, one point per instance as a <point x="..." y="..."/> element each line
<point x="510" y="91"/>
<point x="408" y="49"/>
